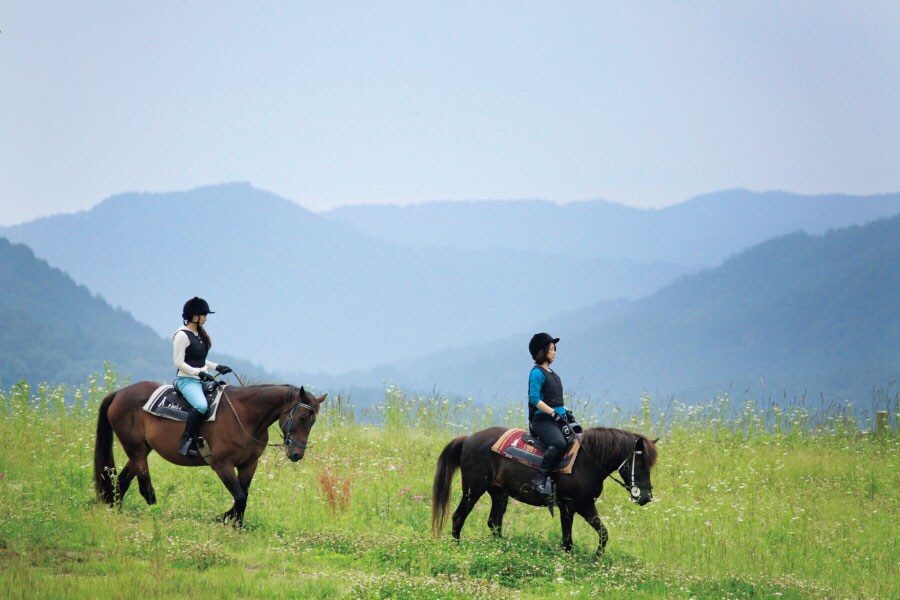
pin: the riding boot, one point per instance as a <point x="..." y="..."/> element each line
<point x="195" y="417"/>
<point x="542" y="482"/>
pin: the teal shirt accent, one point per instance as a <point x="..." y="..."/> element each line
<point x="535" y="383"/>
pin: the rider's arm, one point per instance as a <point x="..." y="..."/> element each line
<point x="180" y="342"/>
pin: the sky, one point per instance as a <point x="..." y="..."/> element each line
<point x="333" y="103"/>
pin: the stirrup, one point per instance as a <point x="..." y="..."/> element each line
<point x="188" y="447"/>
<point x="544" y="489"/>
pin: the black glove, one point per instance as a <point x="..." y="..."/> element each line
<point x="570" y="417"/>
<point x="558" y="418"/>
<point x="204" y="376"/>
<point x="223" y="370"/>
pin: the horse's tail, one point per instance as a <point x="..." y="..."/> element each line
<point x="448" y="463"/>
<point x="104" y="463"/>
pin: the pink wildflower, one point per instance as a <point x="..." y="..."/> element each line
<point x="418" y="498"/>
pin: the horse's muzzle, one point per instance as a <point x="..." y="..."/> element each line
<point x="295" y="455"/>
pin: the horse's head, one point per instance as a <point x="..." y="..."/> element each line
<point x="635" y="470"/>
<point x="296" y="421"/>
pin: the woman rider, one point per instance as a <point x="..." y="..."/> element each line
<point x="546" y="412"/>
<point x="191" y="344"/>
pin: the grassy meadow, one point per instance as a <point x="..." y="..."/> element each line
<point x="750" y="502"/>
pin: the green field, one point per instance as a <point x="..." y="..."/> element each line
<point x="751" y="502"/>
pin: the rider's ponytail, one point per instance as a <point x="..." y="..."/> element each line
<point x="204" y="336"/>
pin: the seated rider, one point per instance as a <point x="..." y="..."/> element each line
<point x="191" y="344"/>
<point x="546" y="412"/>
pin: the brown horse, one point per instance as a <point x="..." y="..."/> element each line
<point x="236" y="438"/>
<point x="603" y="451"/>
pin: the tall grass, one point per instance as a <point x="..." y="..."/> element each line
<point x="753" y="499"/>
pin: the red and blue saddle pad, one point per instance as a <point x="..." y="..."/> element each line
<point x="519" y="445"/>
<point x="167" y="402"/>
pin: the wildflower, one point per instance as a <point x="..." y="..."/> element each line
<point x="418" y="498"/>
<point x="403" y="491"/>
<point x="2" y="475"/>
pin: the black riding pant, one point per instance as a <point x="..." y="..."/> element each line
<point x="549" y="433"/>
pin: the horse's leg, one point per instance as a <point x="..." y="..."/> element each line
<point x="470" y="497"/>
<point x="566" y="515"/>
<point x="123" y="481"/>
<point x="143" y="476"/>
<point x="228" y="477"/>
<point x="245" y="476"/>
<point x="136" y="451"/>
<point x="589" y="512"/>
<point x="499" y="499"/>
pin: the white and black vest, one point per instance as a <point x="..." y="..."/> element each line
<point x="195" y="353"/>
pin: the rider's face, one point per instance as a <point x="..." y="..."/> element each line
<point x="200" y="319"/>
<point x="551" y="352"/>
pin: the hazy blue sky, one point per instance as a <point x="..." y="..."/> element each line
<point x="644" y="103"/>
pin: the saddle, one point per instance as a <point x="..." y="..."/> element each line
<point x="167" y="402"/>
<point x="525" y="448"/>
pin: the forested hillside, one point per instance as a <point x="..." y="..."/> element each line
<point x="54" y="330"/>
<point x="797" y="314"/>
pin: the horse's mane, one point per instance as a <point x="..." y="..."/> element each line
<point x="608" y="441"/>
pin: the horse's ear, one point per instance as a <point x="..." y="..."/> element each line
<point x="655" y="441"/>
<point x="639" y="443"/>
<point x="302" y="391"/>
<point x="322" y="397"/>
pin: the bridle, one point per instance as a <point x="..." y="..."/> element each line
<point x="287" y="429"/>
<point x="633" y="489"/>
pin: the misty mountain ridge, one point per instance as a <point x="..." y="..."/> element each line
<point x="699" y="232"/>
<point x="295" y="291"/>
<point x="803" y="315"/>
<point x="302" y="294"/>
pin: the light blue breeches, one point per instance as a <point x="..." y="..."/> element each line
<point x="192" y="391"/>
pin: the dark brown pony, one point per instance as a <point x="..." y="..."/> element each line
<point x="236" y="438"/>
<point x="603" y="452"/>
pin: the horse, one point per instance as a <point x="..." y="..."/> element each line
<point x="236" y="439"/>
<point x="603" y="451"/>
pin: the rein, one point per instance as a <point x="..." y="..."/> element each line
<point x="288" y="440"/>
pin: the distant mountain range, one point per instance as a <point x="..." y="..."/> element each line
<point x="54" y="330"/>
<point x="335" y="300"/>
<point x="295" y="291"/>
<point x="700" y="232"/>
<point x="802" y="315"/>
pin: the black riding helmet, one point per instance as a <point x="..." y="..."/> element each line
<point x="538" y="342"/>
<point x="195" y="306"/>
